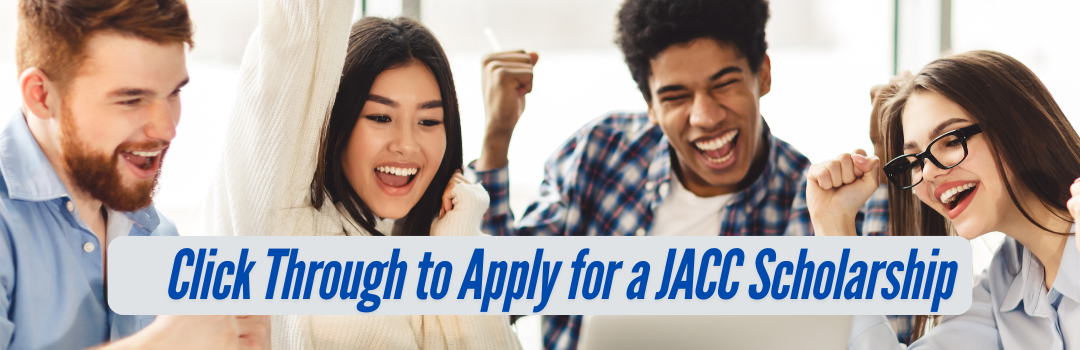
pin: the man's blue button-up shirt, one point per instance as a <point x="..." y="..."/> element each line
<point x="52" y="286"/>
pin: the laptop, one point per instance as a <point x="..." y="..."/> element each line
<point x="715" y="332"/>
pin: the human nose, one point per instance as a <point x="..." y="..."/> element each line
<point x="404" y="141"/>
<point x="163" y="118"/>
<point x="930" y="171"/>
<point x="706" y="112"/>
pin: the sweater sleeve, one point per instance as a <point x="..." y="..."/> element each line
<point x="288" y="79"/>
<point x="470" y="204"/>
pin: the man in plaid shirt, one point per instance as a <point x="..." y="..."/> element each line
<point x="701" y="66"/>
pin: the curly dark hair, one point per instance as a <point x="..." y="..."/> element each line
<point x="647" y="27"/>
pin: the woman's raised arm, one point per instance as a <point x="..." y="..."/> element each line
<point x="288" y="79"/>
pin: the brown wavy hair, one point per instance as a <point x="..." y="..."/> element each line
<point x="52" y="33"/>
<point x="1026" y="130"/>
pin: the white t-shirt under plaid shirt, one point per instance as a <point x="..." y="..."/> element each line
<point x="683" y="213"/>
<point x="611" y="176"/>
<point x="607" y="180"/>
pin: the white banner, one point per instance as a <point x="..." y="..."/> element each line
<point x="540" y="275"/>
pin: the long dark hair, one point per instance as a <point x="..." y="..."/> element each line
<point x="376" y="45"/>
<point x="1027" y="133"/>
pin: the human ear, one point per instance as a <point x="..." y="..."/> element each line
<point x="764" y="76"/>
<point x="37" y="90"/>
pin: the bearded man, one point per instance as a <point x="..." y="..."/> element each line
<point x="100" y="84"/>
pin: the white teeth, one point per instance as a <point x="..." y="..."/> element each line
<point x="398" y="171"/>
<point x="146" y="154"/>
<point x="950" y="194"/>
<point x="718" y="142"/>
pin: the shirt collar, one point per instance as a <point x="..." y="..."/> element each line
<point x="26" y="170"/>
<point x="146" y="219"/>
<point x="1028" y="284"/>
<point x="660" y="169"/>
<point x="757" y="191"/>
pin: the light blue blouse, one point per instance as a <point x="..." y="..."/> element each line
<point x="1010" y="309"/>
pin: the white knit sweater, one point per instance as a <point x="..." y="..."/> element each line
<point x="288" y="80"/>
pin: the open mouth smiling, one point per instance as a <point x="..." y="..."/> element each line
<point x="718" y="150"/>
<point x="396" y="176"/>
<point x="144" y="160"/>
<point x="956" y="195"/>
<point x="142" y="163"/>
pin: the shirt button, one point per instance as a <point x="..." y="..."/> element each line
<point x="663" y="188"/>
<point x="649" y="186"/>
<point x="71" y="206"/>
<point x="88" y="247"/>
<point x="640" y="231"/>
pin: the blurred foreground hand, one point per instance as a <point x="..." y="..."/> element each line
<point x="169" y="332"/>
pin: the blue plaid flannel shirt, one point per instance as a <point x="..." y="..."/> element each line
<point x="610" y="177"/>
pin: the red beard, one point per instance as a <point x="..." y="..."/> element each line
<point x="99" y="174"/>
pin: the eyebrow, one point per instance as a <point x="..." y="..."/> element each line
<point x="393" y="104"/>
<point x="382" y="100"/>
<point x="677" y="87"/>
<point x="937" y="131"/>
<point x="131" y="92"/>
<point x="725" y="71"/>
<point x="183" y="83"/>
<point x="139" y="92"/>
<point x="433" y="104"/>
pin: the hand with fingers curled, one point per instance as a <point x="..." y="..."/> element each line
<point x="448" y="199"/>
<point x="507" y="77"/>
<point x="464" y="204"/>
<point x="836" y="189"/>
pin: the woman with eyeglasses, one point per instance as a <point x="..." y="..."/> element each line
<point x="983" y="147"/>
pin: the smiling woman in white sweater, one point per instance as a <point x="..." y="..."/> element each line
<point x="381" y="160"/>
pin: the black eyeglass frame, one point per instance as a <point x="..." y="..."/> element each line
<point x="963" y="134"/>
